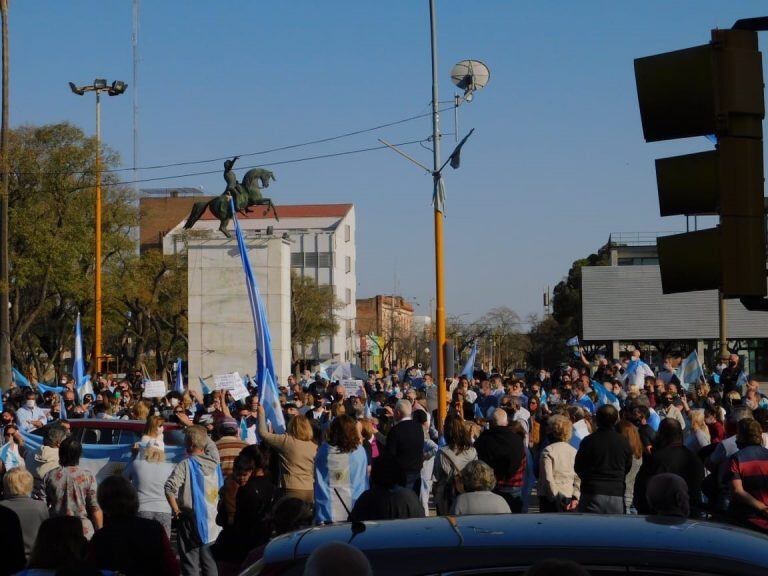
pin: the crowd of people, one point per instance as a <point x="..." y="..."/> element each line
<point x="593" y="436"/>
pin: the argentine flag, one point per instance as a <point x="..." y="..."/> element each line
<point x="19" y="379"/>
<point x="179" y="385"/>
<point x="573" y="341"/>
<point x="340" y="479"/>
<point x="82" y="382"/>
<point x="469" y="367"/>
<point x="604" y="396"/>
<point x="205" y="499"/>
<point x="691" y="370"/>
<point x="266" y="377"/>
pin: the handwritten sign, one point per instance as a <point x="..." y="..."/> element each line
<point x="352" y="387"/>
<point x="226" y="381"/>
<point x="154" y="389"/>
<point x="240" y="392"/>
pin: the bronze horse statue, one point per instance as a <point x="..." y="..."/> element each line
<point x="245" y="195"/>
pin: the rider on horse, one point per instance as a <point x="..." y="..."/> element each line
<point x="233" y="186"/>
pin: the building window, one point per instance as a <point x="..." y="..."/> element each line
<point x="347" y="233"/>
<point x="349" y="296"/>
<point x="348" y="264"/>
<point x="310" y="259"/>
<point x="325" y="260"/>
<point x="297" y="259"/>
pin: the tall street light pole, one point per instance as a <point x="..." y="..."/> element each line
<point x="118" y="87"/>
<point x="5" y="313"/>
<point x="442" y="404"/>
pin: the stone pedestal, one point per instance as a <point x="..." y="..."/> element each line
<point x="221" y="335"/>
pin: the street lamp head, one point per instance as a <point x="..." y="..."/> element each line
<point x="470" y="76"/>
<point x="75" y="89"/>
<point x="100" y="84"/>
<point x="117" y="88"/>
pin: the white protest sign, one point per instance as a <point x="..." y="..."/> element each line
<point x="226" y="381"/>
<point x="352" y="387"/>
<point x="240" y="392"/>
<point x="154" y="389"/>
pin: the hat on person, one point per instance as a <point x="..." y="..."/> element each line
<point x="228" y="424"/>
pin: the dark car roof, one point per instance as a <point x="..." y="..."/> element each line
<point x="500" y="540"/>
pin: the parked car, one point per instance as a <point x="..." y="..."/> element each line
<point x="107" y="443"/>
<point x="510" y="544"/>
<point x="109" y="432"/>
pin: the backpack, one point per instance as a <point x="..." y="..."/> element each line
<point x="446" y="492"/>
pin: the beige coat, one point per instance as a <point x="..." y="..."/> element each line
<point x="557" y="478"/>
<point x="297" y="458"/>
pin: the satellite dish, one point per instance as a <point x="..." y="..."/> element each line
<point x="470" y="75"/>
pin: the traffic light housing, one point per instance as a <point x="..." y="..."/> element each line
<point x="711" y="90"/>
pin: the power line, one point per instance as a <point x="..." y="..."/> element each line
<point x="277" y="163"/>
<point x="245" y="155"/>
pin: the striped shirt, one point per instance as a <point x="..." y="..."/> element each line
<point x="750" y="465"/>
<point x="229" y="449"/>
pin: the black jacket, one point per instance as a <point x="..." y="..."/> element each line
<point x="502" y="449"/>
<point x="387" y="504"/>
<point x="602" y="463"/>
<point x="674" y="459"/>
<point x="405" y="445"/>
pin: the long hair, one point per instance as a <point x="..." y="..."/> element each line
<point x="629" y="431"/>
<point x="456" y="434"/>
<point x="60" y="542"/>
<point x="300" y="428"/>
<point x="343" y="434"/>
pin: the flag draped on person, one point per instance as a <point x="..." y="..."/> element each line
<point x="266" y="378"/>
<point x="179" y="384"/>
<point x="469" y="367"/>
<point x="337" y="492"/>
<point x="205" y="497"/>
<point x="691" y="370"/>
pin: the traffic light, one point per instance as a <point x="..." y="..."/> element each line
<point x="713" y="90"/>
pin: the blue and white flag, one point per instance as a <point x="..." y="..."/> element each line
<point x="266" y="376"/>
<point x="742" y="381"/>
<point x="205" y="499"/>
<point x="654" y="420"/>
<point x="204" y="386"/>
<point x="82" y="380"/>
<point x="340" y="479"/>
<point x="469" y="367"/>
<point x="179" y="385"/>
<point x="243" y="430"/>
<point x="691" y="370"/>
<point x="62" y="408"/>
<point x="10" y="456"/>
<point x="43" y="388"/>
<point x="1" y="401"/>
<point x="573" y="341"/>
<point x="19" y="379"/>
<point x="604" y="396"/>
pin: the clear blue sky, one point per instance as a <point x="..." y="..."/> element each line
<point x="557" y="161"/>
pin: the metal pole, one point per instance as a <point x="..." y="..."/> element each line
<point x="723" y="325"/>
<point x="456" y="102"/>
<point x="5" y="313"/>
<point x="438" y="215"/>
<point x="97" y="267"/>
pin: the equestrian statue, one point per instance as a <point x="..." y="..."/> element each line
<point x="245" y="194"/>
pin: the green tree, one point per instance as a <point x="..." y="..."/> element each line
<point x="147" y="309"/>
<point x="547" y="338"/>
<point x="51" y="217"/>
<point x="566" y="301"/>
<point x="313" y="315"/>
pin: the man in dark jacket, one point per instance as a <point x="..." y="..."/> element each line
<point x="405" y="445"/>
<point x="602" y="463"/>
<point x="671" y="456"/>
<point x="504" y="451"/>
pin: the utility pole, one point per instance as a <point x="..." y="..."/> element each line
<point x="5" y="312"/>
<point x="723" y="319"/>
<point x="442" y="404"/>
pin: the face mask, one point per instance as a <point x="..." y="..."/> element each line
<point x="63" y="381"/>
<point x="174" y="402"/>
<point x="30" y="403"/>
<point x="211" y="409"/>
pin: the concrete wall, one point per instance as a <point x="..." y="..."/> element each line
<point x="221" y="335"/>
<point x="626" y="303"/>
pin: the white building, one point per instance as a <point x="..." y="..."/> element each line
<point x="322" y="241"/>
